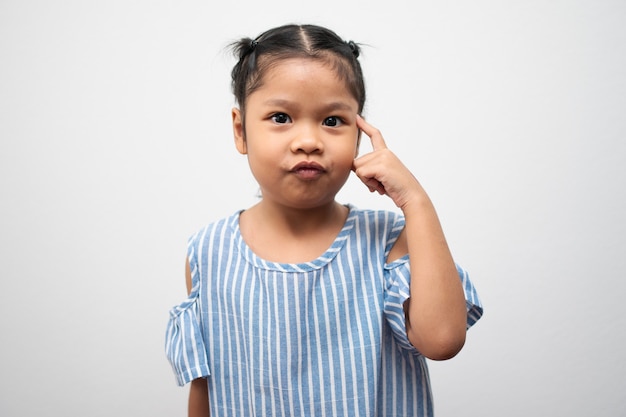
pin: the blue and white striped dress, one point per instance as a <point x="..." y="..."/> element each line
<point x="322" y="338"/>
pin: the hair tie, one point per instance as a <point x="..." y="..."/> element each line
<point x="354" y="48"/>
<point x="253" y="45"/>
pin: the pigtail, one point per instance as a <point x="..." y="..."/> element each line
<point x="356" y="50"/>
<point x="244" y="51"/>
<point x="243" y="47"/>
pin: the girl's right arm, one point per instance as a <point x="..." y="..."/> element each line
<point x="199" y="398"/>
<point x="198" y="392"/>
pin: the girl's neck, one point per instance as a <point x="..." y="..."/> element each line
<point x="299" y="220"/>
<point x="290" y="235"/>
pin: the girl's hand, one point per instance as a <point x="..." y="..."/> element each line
<point x="382" y="171"/>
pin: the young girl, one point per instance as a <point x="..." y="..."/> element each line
<point x="300" y="305"/>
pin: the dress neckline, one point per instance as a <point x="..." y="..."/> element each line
<point x="317" y="263"/>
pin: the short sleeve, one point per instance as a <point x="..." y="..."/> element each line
<point x="472" y="301"/>
<point x="184" y="341"/>
<point x="398" y="279"/>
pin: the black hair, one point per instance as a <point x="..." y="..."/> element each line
<point x="256" y="56"/>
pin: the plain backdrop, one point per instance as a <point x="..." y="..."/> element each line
<point x="116" y="145"/>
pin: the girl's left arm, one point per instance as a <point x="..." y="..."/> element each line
<point x="436" y="315"/>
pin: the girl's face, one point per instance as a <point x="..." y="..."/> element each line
<point x="300" y="133"/>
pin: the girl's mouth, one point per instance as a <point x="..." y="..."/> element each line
<point x="308" y="170"/>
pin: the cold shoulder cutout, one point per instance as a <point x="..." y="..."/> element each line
<point x="184" y="339"/>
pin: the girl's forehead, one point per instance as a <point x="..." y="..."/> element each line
<point x="299" y="66"/>
<point x="312" y="76"/>
<point x="302" y="78"/>
<point x="303" y="71"/>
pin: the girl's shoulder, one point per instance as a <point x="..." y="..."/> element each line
<point x="377" y="226"/>
<point x="221" y="227"/>
<point x="377" y="218"/>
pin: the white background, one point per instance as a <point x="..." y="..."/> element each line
<point x="116" y="146"/>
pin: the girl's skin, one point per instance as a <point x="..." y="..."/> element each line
<point x="301" y="135"/>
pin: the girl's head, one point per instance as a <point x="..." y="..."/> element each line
<point x="257" y="56"/>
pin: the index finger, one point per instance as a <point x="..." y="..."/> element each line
<point x="374" y="134"/>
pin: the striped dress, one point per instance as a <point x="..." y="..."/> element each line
<point x="322" y="338"/>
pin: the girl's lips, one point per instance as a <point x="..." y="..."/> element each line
<point x="308" y="170"/>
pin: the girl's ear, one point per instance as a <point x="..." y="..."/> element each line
<point x="239" y="131"/>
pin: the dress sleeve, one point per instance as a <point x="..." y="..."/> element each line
<point x="398" y="278"/>
<point x="184" y="341"/>
<point x="397" y="282"/>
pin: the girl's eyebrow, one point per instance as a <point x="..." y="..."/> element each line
<point x="278" y="102"/>
<point x="339" y="105"/>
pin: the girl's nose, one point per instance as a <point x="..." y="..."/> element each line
<point x="307" y="140"/>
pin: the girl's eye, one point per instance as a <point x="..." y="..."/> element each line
<point x="281" y="118"/>
<point x="333" y="121"/>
